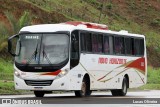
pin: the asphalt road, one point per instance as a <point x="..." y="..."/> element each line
<point x="151" y="96"/>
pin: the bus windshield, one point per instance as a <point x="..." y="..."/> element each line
<point x="43" y="49"/>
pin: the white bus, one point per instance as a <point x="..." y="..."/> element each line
<point x="77" y="56"/>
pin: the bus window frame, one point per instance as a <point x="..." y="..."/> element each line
<point x="123" y="45"/>
<point x="131" y="46"/>
<point x="112" y="36"/>
<point x="139" y="38"/>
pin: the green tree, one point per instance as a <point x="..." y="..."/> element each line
<point x="15" y="25"/>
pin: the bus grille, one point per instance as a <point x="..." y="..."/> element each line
<point x="38" y="82"/>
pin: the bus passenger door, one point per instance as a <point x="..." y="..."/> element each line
<point x="74" y="57"/>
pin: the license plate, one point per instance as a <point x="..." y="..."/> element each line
<point x="38" y="88"/>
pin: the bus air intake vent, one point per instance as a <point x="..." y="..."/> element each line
<point x="38" y="82"/>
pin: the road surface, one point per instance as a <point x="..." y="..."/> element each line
<point x="102" y="98"/>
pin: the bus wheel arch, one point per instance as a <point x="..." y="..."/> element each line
<point x="85" y="87"/>
<point x="123" y="91"/>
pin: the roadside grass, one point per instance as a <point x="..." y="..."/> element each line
<point x="7" y="88"/>
<point x="150" y="87"/>
<point x="6" y="78"/>
<point x="153" y="79"/>
<point x="6" y="70"/>
<point x="153" y="75"/>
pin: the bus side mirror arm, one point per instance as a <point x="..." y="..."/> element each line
<point x="10" y="45"/>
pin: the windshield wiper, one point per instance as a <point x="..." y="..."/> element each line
<point x="33" y="55"/>
<point x="45" y="55"/>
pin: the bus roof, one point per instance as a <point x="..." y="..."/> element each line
<point x="70" y="26"/>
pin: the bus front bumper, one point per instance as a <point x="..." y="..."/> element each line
<point x="57" y="84"/>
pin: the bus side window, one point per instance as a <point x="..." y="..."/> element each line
<point x="94" y="43"/>
<point x="88" y="42"/>
<point x="106" y="44"/>
<point x="132" y="46"/>
<point x="83" y="42"/>
<point x="100" y="40"/>
<point x="111" y="44"/>
<point x="97" y="40"/>
<point x="139" y="47"/>
<point x="119" y="45"/>
<point x="128" y="46"/>
<point x="142" y="46"/>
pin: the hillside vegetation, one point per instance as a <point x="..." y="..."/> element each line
<point x="136" y="16"/>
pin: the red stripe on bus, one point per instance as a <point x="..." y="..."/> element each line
<point x="101" y="78"/>
<point x="138" y="64"/>
<point x="52" y="73"/>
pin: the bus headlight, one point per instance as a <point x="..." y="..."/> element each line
<point x="17" y="73"/>
<point x="62" y="73"/>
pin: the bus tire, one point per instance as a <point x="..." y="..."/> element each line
<point x="85" y="91"/>
<point x="39" y="93"/>
<point x="89" y="93"/>
<point x="114" y="92"/>
<point x="123" y="91"/>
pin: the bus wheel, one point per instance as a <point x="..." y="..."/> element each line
<point x="85" y="91"/>
<point x="123" y="91"/>
<point x="39" y="93"/>
<point x="89" y="92"/>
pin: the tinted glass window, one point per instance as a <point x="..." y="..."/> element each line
<point x="139" y="46"/>
<point x="128" y="46"/>
<point x="74" y="45"/>
<point x="142" y="46"/>
<point x="97" y="43"/>
<point x="88" y="42"/>
<point x="74" y="59"/>
<point x="119" y="45"/>
<point x="100" y="42"/>
<point x="83" y="42"/>
<point x="106" y="44"/>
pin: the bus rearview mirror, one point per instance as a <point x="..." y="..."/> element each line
<point x="13" y="41"/>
